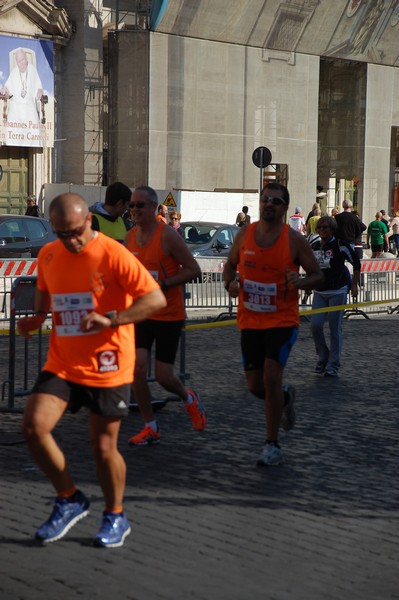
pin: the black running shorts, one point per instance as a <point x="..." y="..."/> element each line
<point x="166" y="335"/>
<point x="103" y="401"/>
<point x="275" y="344"/>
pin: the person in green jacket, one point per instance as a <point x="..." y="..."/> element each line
<point x="108" y="217"/>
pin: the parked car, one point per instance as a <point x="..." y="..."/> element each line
<point x="209" y="239"/>
<point x="22" y="237"/>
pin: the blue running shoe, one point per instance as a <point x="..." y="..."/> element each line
<point x="64" y="516"/>
<point x="113" y="531"/>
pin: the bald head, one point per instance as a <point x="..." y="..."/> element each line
<point x="71" y="221"/>
<point x="66" y="206"/>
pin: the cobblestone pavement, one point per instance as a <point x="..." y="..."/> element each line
<point x="206" y="523"/>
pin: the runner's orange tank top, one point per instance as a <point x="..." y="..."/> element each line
<point x="266" y="299"/>
<point x="161" y="266"/>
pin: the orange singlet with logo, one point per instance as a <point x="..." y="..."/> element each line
<point x="161" y="266"/>
<point x="103" y="277"/>
<point x="266" y="299"/>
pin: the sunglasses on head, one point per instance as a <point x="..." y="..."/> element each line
<point x="275" y="200"/>
<point x="137" y="204"/>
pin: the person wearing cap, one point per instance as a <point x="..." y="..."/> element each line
<point x="267" y="255"/>
<point x="297" y="222"/>
<point x="32" y="209"/>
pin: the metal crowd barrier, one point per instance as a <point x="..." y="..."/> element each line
<point x="10" y="269"/>
<point x="20" y="363"/>
<point x="379" y="281"/>
<point x="379" y="284"/>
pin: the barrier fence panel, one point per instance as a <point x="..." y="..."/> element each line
<point x="22" y="303"/>
<point x="9" y="270"/>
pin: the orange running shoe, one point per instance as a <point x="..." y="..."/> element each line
<point x="196" y="411"/>
<point x="146" y="437"/>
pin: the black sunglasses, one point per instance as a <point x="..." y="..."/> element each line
<point x="137" y="204"/>
<point x="65" y="235"/>
<point x="273" y="199"/>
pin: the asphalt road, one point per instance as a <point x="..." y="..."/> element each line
<point x="206" y="523"/>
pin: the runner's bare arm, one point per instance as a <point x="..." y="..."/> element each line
<point x="142" y="308"/>
<point x="230" y="268"/>
<point x="42" y="307"/>
<point x="175" y="246"/>
<point x="302" y="255"/>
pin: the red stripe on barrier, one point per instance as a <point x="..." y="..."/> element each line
<point x="20" y="268"/>
<point x="32" y="268"/>
<point x="9" y="268"/>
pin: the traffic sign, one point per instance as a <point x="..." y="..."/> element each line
<point x="261" y="157"/>
<point x="169" y="200"/>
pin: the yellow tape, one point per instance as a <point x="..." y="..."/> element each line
<point x="302" y="313"/>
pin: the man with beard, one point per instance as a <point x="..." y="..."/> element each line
<point x="267" y="255"/>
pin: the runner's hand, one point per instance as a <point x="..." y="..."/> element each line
<point x="94" y="322"/>
<point x="28" y="324"/>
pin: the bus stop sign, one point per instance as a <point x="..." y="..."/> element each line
<point x="261" y="157"/>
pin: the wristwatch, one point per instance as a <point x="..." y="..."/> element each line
<point x="112" y="315"/>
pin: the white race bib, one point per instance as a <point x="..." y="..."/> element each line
<point x="260" y="297"/>
<point x="69" y="309"/>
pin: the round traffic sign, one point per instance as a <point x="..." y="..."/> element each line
<point x="261" y="157"/>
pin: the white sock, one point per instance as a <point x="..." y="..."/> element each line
<point x="153" y="424"/>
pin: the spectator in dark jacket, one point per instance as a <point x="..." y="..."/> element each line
<point x="32" y="208"/>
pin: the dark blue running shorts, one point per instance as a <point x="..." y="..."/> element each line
<point x="275" y="344"/>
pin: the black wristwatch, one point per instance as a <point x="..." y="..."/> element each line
<point x="112" y="315"/>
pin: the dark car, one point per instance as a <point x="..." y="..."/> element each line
<point x="22" y="237"/>
<point x="209" y="239"/>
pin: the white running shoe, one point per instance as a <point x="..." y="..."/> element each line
<point x="271" y="455"/>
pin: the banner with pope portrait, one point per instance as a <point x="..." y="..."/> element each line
<point x="26" y="92"/>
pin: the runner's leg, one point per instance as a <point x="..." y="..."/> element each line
<point x="111" y="467"/>
<point x="41" y="415"/>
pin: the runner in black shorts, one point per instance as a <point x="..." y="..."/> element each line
<point x="90" y="361"/>
<point x="165" y="254"/>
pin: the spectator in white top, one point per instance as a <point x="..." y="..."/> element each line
<point x="297" y="222"/>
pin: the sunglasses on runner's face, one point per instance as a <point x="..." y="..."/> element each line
<point x="66" y="235"/>
<point x="275" y="200"/>
<point x="323" y="227"/>
<point x="137" y="204"/>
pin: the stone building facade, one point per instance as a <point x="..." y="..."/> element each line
<point x="179" y="96"/>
